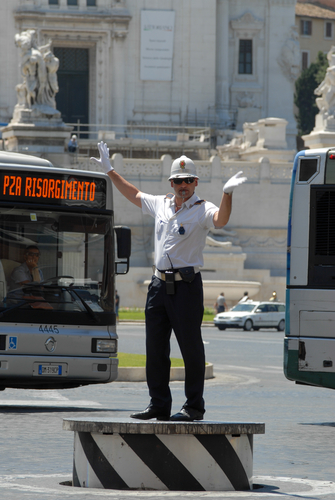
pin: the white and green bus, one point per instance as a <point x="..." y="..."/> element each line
<point x="309" y="352"/>
<point x="57" y="329"/>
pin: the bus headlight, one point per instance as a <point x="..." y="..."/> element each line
<point x="104" y="345"/>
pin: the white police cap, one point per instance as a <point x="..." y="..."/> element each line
<point x="183" y="167"/>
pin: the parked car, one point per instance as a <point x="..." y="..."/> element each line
<point x="252" y="315"/>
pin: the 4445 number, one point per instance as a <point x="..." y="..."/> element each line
<point x="48" y="329"/>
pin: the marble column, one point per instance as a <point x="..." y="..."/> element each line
<point x="222" y="59"/>
<point x="118" y="77"/>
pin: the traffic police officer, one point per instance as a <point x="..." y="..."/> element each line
<point x="175" y="294"/>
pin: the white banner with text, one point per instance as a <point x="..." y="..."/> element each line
<point x="157" y="30"/>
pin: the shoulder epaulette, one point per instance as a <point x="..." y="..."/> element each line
<point x="169" y="196"/>
<point x="199" y="202"/>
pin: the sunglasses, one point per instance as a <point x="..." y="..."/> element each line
<point x="187" y="180"/>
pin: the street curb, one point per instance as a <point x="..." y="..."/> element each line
<point x="137" y="374"/>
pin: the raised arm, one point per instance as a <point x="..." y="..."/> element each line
<point x="221" y="217"/>
<point x="128" y="190"/>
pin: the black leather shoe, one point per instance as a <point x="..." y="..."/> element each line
<point x="187" y="415"/>
<point x="151" y="412"/>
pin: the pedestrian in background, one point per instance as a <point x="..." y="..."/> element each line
<point x="220" y="304"/>
<point x="117" y="303"/>
<point x="73" y="144"/>
<point x="244" y="298"/>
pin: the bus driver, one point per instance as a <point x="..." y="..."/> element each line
<point x="28" y="271"/>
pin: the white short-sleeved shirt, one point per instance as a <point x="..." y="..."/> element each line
<point x="172" y="247"/>
<point x="20" y="274"/>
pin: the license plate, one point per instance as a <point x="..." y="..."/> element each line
<point x="50" y="370"/>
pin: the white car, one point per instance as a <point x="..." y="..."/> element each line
<point x="252" y="315"/>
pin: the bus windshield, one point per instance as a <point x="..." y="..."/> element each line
<point x="53" y="262"/>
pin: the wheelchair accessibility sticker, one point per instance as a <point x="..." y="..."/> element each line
<point x="12" y="343"/>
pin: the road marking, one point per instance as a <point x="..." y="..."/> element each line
<point x="270" y="369"/>
<point x="229" y="379"/>
<point x="243" y="339"/>
<point x="48" y="394"/>
<point x="44" y="403"/>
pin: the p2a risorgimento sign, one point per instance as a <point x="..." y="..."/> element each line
<point x="53" y="188"/>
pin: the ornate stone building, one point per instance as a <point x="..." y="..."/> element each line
<point x="221" y="63"/>
<point x="218" y="62"/>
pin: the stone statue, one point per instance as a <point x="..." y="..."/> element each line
<point x="38" y="68"/>
<point x="212" y="242"/>
<point x="44" y="130"/>
<point x="326" y="89"/>
<point x="218" y="238"/>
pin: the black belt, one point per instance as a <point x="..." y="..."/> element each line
<point x="177" y="276"/>
<point x="161" y="275"/>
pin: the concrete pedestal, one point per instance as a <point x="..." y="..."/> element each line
<point x="320" y="139"/>
<point x="32" y="138"/>
<point x="185" y="456"/>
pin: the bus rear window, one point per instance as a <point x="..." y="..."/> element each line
<point x="308" y="167"/>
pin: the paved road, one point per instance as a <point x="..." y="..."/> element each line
<point x="294" y="459"/>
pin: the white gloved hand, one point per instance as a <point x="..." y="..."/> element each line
<point x="103" y="161"/>
<point x="233" y="182"/>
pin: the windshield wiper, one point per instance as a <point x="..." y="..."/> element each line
<point x="90" y="311"/>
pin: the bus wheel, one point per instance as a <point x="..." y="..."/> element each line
<point x="247" y="325"/>
<point x="281" y="326"/>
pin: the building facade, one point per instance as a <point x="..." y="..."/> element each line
<point x="316" y="25"/>
<point x="217" y="62"/>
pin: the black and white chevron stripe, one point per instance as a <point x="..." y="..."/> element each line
<point x="187" y="462"/>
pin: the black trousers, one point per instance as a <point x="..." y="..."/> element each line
<point x="183" y="313"/>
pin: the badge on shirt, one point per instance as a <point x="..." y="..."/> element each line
<point x="181" y="230"/>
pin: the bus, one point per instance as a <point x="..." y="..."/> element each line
<point x="309" y="345"/>
<point x="58" y="329"/>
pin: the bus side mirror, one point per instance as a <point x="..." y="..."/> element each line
<point x="123" y="240"/>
